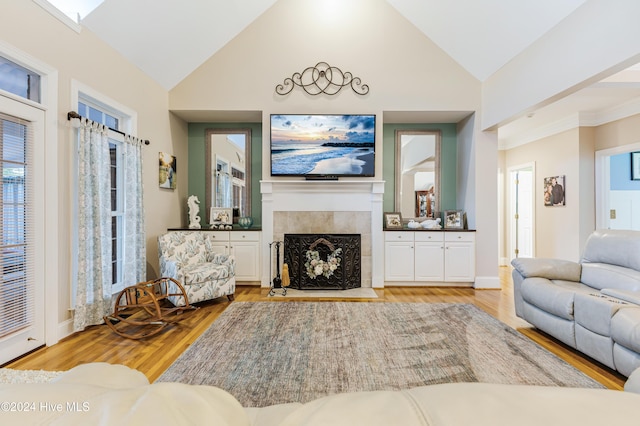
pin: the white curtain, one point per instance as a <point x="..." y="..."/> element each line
<point x="93" y="280"/>
<point x="93" y="290"/>
<point x="135" y="259"/>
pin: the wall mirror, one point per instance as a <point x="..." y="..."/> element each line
<point x="228" y="171"/>
<point x="417" y="192"/>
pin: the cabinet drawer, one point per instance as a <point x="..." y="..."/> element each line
<point x="245" y="236"/>
<point x="218" y="235"/>
<point x="398" y="236"/>
<point x="460" y="236"/>
<point x="429" y="236"/>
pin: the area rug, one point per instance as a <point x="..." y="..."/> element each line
<point x="268" y="353"/>
<point x="10" y="375"/>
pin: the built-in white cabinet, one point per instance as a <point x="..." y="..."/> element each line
<point x="422" y="257"/>
<point x="459" y="256"/>
<point x="245" y="246"/>
<point x="399" y="256"/>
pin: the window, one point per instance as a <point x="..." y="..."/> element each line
<point x="16" y="230"/>
<point x="19" y="80"/>
<point x="69" y="12"/>
<point x="100" y="113"/>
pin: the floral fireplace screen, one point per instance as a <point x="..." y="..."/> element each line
<point x="323" y="261"/>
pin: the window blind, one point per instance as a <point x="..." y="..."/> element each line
<point x="17" y="263"/>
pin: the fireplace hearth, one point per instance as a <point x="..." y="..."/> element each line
<point x="323" y="261"/>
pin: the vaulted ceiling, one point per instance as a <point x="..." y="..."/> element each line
<point x="481" y="35"/>
<point x="169" y="39"/>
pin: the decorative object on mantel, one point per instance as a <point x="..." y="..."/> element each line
<point x="393" y="220"/>
<point x="322" y="78"/>
<point x="453" y="219"/>
<point x="431" y="223"/>
<point x="245" y="222"/>
<point x="194" y="209"/>
<point x="221" y="218"/>
<point x="426" y="224"/>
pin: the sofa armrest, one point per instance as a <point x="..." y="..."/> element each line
<point x="626" y="295"/>
<point x="551" y="269"/>
<point x="169" y="269"/>
<point x="633" y="382"/>
<point x="222" y="259"/>
<point x="105" y="375"/>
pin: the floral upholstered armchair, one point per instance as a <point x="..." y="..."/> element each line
<point x="188" y="257"/>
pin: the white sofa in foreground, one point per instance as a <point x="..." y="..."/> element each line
<point x="104" y="394"/>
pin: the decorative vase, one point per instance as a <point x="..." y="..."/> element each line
<point x="245" y="222"/>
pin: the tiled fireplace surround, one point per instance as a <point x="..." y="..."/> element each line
<point x="325" y="207"/>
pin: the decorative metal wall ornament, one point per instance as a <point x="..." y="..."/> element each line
<point x="322" y="78"/>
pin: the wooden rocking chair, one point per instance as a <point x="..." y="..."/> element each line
<point x="142" y="310"/>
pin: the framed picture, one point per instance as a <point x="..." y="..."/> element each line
<point x="635" y="165"/>
<point x="554" y="191"/>
<point x="453" y="219"/>
<point x="220" y="216"/>
<point x="167" y="177"/>
<point x="393" y="220"/>
<point x="424" y="204"/>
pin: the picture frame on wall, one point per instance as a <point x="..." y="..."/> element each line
<point x="453" y="219"/>
<point x="168" y="171"/>
<point x="393" y="220"/>
<point x="635" y="165"/>
<point x="554" y="191"/>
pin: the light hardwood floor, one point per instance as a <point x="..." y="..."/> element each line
<point x="155" y="354"/>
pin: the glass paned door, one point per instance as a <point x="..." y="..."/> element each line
<point x="21" y="281"/>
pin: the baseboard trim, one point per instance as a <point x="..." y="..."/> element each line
<point x="492" y="283"/>
<point x="65" y="328"/>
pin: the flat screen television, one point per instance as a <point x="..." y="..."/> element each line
<point x="323" y="145"/>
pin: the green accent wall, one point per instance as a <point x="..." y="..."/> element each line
<point x="448" y="162"/>
<point x="196" y="173"/>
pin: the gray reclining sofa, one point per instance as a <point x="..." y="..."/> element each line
<point x="592" y="306"/>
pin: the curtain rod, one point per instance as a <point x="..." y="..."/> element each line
<point x="73" y="114"/>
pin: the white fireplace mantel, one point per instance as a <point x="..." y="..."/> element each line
<point x="348" y="195"/>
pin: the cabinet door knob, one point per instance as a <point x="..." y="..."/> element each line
<point x="459" y="237"/>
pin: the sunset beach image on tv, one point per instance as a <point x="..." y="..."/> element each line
<point x="322" y="145"/>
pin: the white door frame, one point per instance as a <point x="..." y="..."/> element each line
<point x="32" y="336"/>
<point x="603" y="181"/>
<point x="511" y="208"/>
<point x="49" y="104"/>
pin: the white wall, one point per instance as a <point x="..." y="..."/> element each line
<point x="30" y="29"/>
<point x="559" y="231"/>
<point x="598" y="39"/>
<point x="404" y="70"/>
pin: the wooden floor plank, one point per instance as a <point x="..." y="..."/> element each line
<point x="152" y="356"/>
